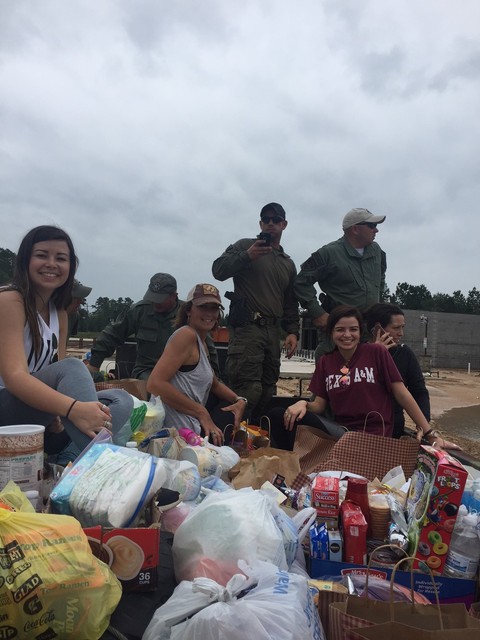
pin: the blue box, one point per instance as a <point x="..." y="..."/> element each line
<point x="450" y="590"/>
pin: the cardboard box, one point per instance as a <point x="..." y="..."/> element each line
<point x="450" y="590"/>
<point x="325" y="496"/>
<point x="132" y="554"/>
<point x="324" y="592"/>
<point x="354" y="529"/>
<point x="432" y="505"/>
<point x="335" y="545"/>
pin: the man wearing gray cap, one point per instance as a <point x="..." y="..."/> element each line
<point x="151" y="322"/>
<point x="79" y="293"/>
<point x="350" y="270"/>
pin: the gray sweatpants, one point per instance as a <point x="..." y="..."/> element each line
<point x="72" y="378"/>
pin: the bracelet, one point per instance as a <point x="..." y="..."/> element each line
<point x="427" y="433"/>
<point x="70" y="408"/>
<point x="241" y="398"/>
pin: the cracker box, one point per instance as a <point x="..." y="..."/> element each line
<point x="325" y="496"/>
<point x="435" y="494"/>
<point x="132" y="554"/>
<point x="354" y="529"/>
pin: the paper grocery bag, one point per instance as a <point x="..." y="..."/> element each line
<point x="262" y="465"/>
<point x="399" y="631"/>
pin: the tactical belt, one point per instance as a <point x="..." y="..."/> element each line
<point x="264" y="321"/>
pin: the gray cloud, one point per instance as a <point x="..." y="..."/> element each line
<point x="155" y="131"/>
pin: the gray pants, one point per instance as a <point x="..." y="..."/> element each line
<point x="72" y="378"/>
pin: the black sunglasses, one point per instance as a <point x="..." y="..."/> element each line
<point x="370" y="225"/>
<point x="274" y="219"/>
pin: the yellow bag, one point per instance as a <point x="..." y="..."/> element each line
<point x="51" y="585"/>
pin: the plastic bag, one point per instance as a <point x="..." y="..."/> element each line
<point x="51" y="586"/>
<point x="108" y="486"/>
<point x="279" y="606"/>
<point x="224" y="528"/>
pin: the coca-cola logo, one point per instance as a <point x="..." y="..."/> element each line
<point x="45" y="618"/>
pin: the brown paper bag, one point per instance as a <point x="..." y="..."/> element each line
<point x="347" y="618"/>
<point x="137" y="388"/>
<point x="399" y="631"/>
<point x="262" y="465"/>
<point x="312" y="447"/>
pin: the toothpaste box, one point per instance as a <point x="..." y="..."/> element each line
<point x="132" y="554"/>
<point x="325" y="496"/>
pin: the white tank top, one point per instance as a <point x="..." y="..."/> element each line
<point x="49" y="335"/>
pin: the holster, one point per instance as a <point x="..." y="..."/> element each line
<point x="238" y="313"/>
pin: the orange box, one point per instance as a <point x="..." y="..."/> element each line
<point x="432" y="505"/>
<point x="132" y="554"/>
<point x="325" y="496"/>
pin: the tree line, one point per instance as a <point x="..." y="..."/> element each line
<point x="407" y="296"/>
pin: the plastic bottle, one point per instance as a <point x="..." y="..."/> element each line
<point x="467" y="496"/>
<point x="464" y="555"/>
<point x="190" y="437"/>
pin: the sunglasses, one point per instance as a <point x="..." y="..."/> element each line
<point x="370" y="225"/>
<point x="345" y="379"/>
<point x="274" y="219"/>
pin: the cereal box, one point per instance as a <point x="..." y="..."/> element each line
<point x="432" y="505"/>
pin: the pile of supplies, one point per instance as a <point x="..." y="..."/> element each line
<point x="257" y="550"/>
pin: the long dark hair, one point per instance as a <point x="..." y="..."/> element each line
<point x="62" y="296"/>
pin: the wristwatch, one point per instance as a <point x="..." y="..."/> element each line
<point x="241" y="398"/>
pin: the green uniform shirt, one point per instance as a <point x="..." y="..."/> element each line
<point x="151" y="331"/>
<point x="266" y="283"/>
<point x="345" y="276"/>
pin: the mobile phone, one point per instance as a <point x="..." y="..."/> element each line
<point x="378" y="329"/>
<point x="266" y="237"/>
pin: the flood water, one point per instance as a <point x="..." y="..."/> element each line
<point x="463" y="422"/>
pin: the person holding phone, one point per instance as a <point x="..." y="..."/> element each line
<point x="385" y="324"/>
<point x="263" y="309"/>
<point x="359" y="382"/>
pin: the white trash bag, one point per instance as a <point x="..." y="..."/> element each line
<point x="224" y="528"/>
<point x="279" y="606"/>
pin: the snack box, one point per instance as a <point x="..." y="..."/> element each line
<point x="132" y="554"/>
<point x="325" y="496"/>
<point x="450" y="590"/>
<point x="432" y="505"/>
<point x="354" y="529"/>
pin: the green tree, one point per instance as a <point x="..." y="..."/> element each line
<point x="7" y="261"/>
<point x="473" y="301"/>
<point x="105" y="310"/>
<point x="411" y="296"/>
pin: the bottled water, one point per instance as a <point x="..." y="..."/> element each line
<point x="464" y="554"/>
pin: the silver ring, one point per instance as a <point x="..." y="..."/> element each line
<point x="104" y="406"/>
<point x="106" y="423"/>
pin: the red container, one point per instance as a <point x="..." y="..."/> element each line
<point x="354" y="528"/>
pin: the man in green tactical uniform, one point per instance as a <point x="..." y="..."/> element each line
<point x="262" y="305"/>
<point x="350" y="270"/>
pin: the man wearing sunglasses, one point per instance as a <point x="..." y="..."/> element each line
<point x="263" y="309"/>
<point x="350" y="270"/>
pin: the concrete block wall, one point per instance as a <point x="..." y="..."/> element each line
<point x="453" y="339"/>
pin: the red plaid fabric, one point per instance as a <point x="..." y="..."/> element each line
<point x="370" y="456"/>
<point x="312" y="447"/>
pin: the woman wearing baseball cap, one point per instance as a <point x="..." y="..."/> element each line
<point x="183" y="376"/>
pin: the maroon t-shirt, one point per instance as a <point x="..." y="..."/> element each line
<point x="372" y="371"/>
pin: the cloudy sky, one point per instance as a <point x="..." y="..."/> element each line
<point x="154" y="131"/>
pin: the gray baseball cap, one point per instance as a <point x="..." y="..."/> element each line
<point x="161" y="286"/>
<point x="356" y="216"/>
<point x="80" y="290"/>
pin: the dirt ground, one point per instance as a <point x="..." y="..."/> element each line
<point x="451" y="389"/>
